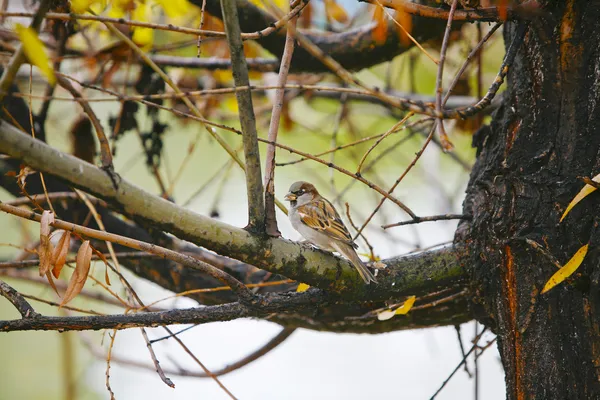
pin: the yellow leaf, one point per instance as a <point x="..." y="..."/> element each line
<point x="81" y="6"/>
<point x="405" y="308"/>
<point x="303" y="287"/>
<point x="283" y="5"/>
<point x="35" y="51"/>
<point x="587" y="189"/>
<point x="567" y="270"/>
<point x="231" y="104"/>
<point x="143" y="37"/>
<point x="175" y="8"/>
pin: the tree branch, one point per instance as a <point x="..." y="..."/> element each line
<point x="354" y="49"/>
<point x="254" y="187"/>
<point x="197" y="316"/>
<point x="410" y="274"/>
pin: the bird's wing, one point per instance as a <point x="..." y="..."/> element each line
<point x="321" y="216"/>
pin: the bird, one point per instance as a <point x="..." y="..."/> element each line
<point x="315" y="218"/>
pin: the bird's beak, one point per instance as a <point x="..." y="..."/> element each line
<point x="290" y="197"/>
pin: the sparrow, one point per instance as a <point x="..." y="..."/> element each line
<point x="315" y="218"/>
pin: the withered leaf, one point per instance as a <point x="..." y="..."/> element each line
<point x="60" y="253"/>
<point x="45" y="250"/>
<point x="82" y="267"/>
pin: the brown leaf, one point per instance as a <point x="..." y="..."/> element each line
<point x="84" y="259"/>
<point x="24" y="172"/>
<point x="60" y="253"/>
<point x="380" y="31"/>
<point x="46" y="248"/>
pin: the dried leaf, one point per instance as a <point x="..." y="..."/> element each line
<point x="380" y="31"/>
<point x="46" y="249"/>
<point x="303" y="287"/>
<point x="385" y="315"/>
<point x="567" y="270"/>
<point x="60" y="253"/>
<point x="587" y="189"/>
<point x="334" y="11"/>
<point x="82" y="267"/>
<point x="35" y="51"/>
<point x="24" y="172"/>
<point x="405" y="308"/>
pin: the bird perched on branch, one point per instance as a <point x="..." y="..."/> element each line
<point x="315" y="218"/>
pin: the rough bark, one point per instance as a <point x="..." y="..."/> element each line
<point x="543" y="137"/>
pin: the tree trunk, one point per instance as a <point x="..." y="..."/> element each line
<point x="545" y="135"/>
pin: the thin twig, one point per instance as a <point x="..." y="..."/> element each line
<point x="157" y="366"/>
<point x="446" y="144"/>
<point x="105" y="153"/>
<point x="238" y="287"/>
<point x="418" y="220"/>
<point x="406" y="171"/>
<point x="464" y="359"/>
<point x="474" y="51"/>
<point x="286" y="60"/>
<point x="108" y="358"/>
<point x="462" y="348"/>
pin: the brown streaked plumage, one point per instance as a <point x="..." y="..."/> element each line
<point x="315" y="218"/>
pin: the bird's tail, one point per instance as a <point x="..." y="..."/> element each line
<point x="362" y="269"/>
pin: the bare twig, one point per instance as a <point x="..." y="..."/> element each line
<point x="474" y="51"/>
<point x="105" y="153"/>
<point x="286" y="59"/>
<point x="410" y="166"/>
<point x="464" y="360"/>
<point x="254" y="186"/>
<point x="238" y="287"/>
<point x="418" y="220"/>
<point x="157" y="366"/>
<point x="446" y="144"/>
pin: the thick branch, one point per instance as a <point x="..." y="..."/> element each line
<point x="279" y="256"/>
<point x="354" y="49"/>
<point x="197" y="316"/>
